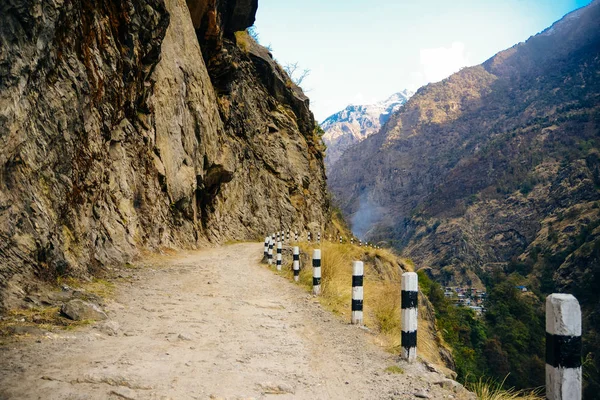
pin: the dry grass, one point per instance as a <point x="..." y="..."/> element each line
<point x="242" y="39"/>
<point x="394" y="369"/>
<point x="43" y="318"/>
<point x="382" y="286"/>
<point x="489" y="390"/>
<point x="97" y="286"/>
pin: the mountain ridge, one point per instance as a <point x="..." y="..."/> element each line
<point x="495" y="170"/>
<point x="356" y="122"/>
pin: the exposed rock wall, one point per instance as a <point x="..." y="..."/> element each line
<point x="115" y="137"/>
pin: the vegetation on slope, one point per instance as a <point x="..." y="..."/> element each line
<point x="382" y="283"/>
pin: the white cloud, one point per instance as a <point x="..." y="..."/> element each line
<point x="439" y="63"/>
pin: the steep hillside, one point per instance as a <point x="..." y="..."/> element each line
<point x="495" y="169"/>
<point x="139" y="125"/>
<point x="355" y="123"/>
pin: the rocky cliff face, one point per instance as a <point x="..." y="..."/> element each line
<point x="357" y="122"/>
<point x="139" y="125"/>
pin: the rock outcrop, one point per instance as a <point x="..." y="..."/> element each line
<point x="139" y="125"/>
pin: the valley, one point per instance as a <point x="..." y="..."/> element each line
<point x="489" y="179"/>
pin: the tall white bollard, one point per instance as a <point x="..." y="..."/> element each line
<point x="316" y="272"/>
<point x="270" y="252"/>
<point x="296" y="264"/>
<point x="266" y="253"/>
<point x="410" y="307"/>
<point x="357" y="292"/>
<point x="563" y="348"/>
<point x="279" y="247"/>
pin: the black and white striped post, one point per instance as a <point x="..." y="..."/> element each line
<point x="319" y="237"/>
<point x="288" y="236"/>
<point x="270" y="251"/>
<point x="563" y="348"/>
<point x="359" y="242"/>
<point x="309" y="236"/>
<point x="316" y="272"/>
<point x="352" y="240"/>
<point x="296" y="236"/>
<point x="410" y="307"/>
<point x="357" y="292"/>
<point x="296" y="263"/>
<point x="279" y="247"/>
<point x="340" y="240"/>
<point x="266" y="246"/>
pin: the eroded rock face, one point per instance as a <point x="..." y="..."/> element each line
<point x="116" y="138"/>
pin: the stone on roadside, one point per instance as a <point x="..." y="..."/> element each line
<point x="111" y="328"/>
<point x="79" y="310"/>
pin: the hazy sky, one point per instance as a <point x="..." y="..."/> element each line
<point x="362" y="51"/>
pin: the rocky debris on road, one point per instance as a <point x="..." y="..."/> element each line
<point x="279" y="388"/>
<point x="111" y="328"/>
<point x="79" y="310"/>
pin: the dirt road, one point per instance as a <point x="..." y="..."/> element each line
<point x="210" y="324"/>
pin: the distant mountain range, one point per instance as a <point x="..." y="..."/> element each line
<point x="494" y="174"/>
<point x="356" y="122"/>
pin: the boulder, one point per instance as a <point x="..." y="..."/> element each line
<point x="79" y="310"/>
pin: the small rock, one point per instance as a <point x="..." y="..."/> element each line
<point x="79" y="310"/>
<point x="184" y="336"/>
<point x="111" y="328"/>
<point x="450" y="385"/>
<point x="422" y="395"/>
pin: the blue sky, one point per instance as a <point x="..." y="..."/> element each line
<point x="362" y="51"/>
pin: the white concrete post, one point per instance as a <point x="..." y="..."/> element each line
<point x="316" y="272"/>
<point x="296" y="264"/>
<point x="410" y="307"/>
<point x="279" y="247"/>
<point x="357" y="292"/>
<point x="270" y="252"/>
<point x="563" y="348"/>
